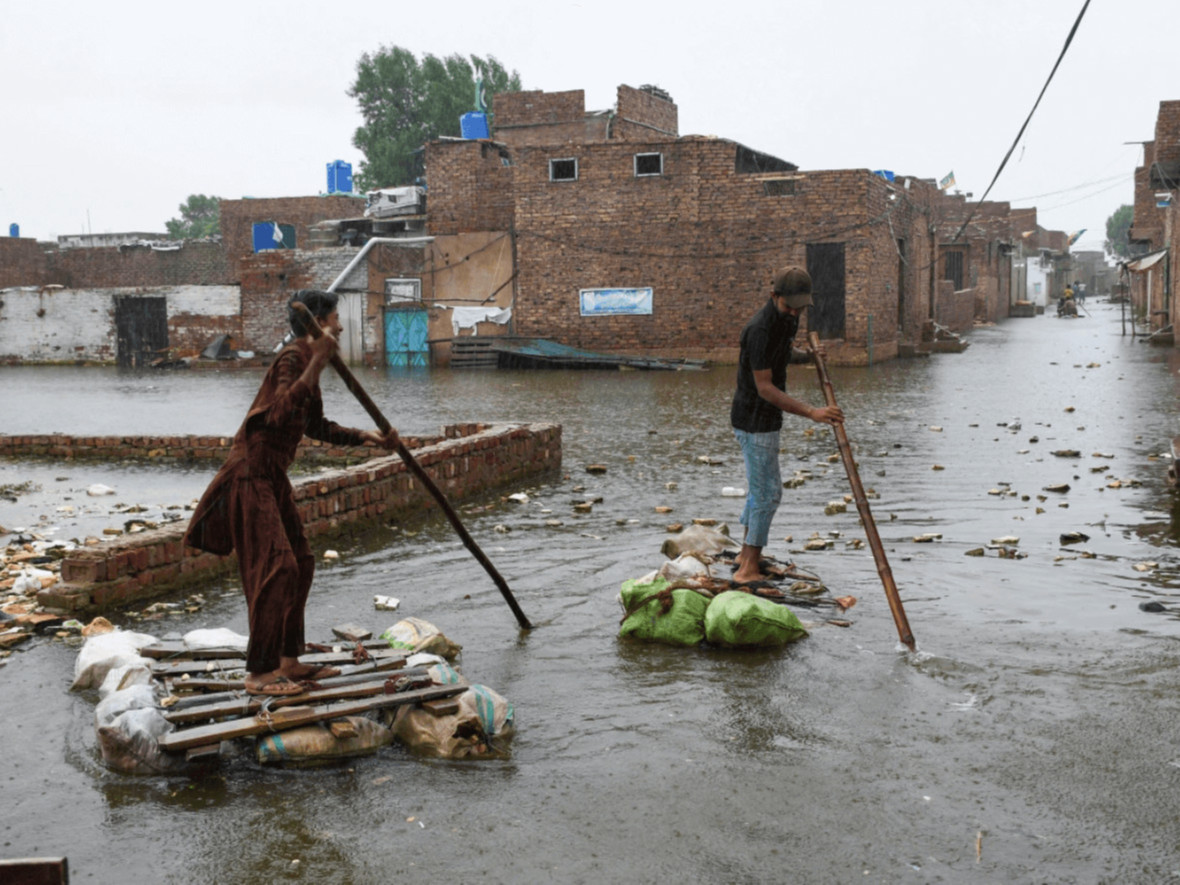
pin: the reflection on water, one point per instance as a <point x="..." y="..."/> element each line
<point x="1027" y="717"/>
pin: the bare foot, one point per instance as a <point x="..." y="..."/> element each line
<point x="302" y="672"/>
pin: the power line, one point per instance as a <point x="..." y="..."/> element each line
<point x="1028" y="119"/>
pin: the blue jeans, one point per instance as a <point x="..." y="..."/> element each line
<point x="764" y="483"/>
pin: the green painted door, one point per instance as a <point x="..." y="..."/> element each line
<point x="405" y="338"/>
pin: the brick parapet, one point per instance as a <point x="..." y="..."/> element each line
<point x="471" y="459"/>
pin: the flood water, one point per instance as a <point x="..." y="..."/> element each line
<point x="1031" y="739"/>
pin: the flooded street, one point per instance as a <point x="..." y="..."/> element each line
<point x="1031" y="738"/>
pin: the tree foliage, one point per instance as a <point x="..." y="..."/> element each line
<point x="406" y="103"/>
<point x="1118" y="230"/>
<point x="200" y="216"/>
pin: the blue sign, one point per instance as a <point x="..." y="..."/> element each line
<point x="615" y="302"/>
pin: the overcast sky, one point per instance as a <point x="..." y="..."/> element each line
<point x="115" y="112"/>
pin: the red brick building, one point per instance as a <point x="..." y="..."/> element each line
<point x="1155" y="230"/>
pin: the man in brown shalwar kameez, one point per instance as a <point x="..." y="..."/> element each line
<point x="249" y="506"/>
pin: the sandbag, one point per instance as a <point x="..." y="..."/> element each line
<point x="687" y="565"/>
<point x="742" y="620"/>
<point x="417" y="635"/>
<point x="657" y="614"/>
<point x="482" y="727"/>
<point x="125" y="676"/>
<point x="130" y="743"/>
<point x="114" y="705"/>
<point x="315" y="744"/>
<point x="219" y="637"/>
<point x="102" y="653"/>
<point x="699" y="539"/>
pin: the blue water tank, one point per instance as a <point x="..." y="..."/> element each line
<point x="14" y="230"/>
<point x="339" y="177"/>
<point x="474" y="125"/>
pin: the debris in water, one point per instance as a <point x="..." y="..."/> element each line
<point x="596" y="468"/>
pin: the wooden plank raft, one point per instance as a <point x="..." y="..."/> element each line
<point x="231" y="704"/>
<point x="291" y="717"/>
<point x="176" y="650"/>
<point x="179" y="667"/>
<point x="199" y="691"/>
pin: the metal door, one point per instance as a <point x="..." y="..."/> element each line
<point x="405" y="338"/>
<point x="141" y="330"/>
<point x="825" y="264"/>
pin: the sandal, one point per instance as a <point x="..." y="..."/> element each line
<point x="280" y="687"/>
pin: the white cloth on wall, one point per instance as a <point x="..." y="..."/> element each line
<point x="469" y="317"/>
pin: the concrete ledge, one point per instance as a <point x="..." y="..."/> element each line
<point x="461" y="463"/>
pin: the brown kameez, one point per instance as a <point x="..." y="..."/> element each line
<point x="249" y="507"/>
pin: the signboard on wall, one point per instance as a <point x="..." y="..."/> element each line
<point x="615" y="302"/>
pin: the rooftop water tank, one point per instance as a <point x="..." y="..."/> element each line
<point x="474" y="125"/>
<point x="14" y="230"/>
<point x="339" y="177"/>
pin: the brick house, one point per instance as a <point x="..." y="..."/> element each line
<point x="1155" y="231"/>
<point x="618" y="200"/>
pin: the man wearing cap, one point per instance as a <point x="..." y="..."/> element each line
<point x="758" y="406"/>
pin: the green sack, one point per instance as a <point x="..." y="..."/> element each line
<point x="656" y="614"/>
<point x="742" y="620"/>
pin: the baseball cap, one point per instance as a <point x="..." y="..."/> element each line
<point x="794" y="284"/>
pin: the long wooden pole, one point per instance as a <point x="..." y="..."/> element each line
<point x="862" y="504"/>
<point x="384" y="426"/>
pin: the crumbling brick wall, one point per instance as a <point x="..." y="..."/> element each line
<point x="238" y="218"/>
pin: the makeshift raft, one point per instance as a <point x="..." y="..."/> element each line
<point x="175" y="706"/>
<point x="689" y="601"/>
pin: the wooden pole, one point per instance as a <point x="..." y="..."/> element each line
<point x="862" y="504"/>
<point x="384" y="426"/>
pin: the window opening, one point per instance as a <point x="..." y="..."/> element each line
<point x="649" y="164"/>
<point x="563" y="170"/>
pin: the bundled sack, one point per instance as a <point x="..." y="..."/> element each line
<point x="656" y="613"/>
<point x="701" y="539"/>
<point x="742" y="620"/>
<point x="687" y="565"/>
<point x="316" y="744"/>
<point x="129" y="727"/>
<point x="480" y="727"/>
<point x="215" y="637"/>
<point x="417" y="635"/>
<point x="124" y="677"/>
<point x="103" y="653"/>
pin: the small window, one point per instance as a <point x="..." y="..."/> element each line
<point x="400" y="291"/>
<point x="563" y="170"/>
<point x="779" y="187"/>
<point x="649" y="164"/>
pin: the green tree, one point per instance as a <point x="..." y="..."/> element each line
<point x="1118" y="230"/>
<point x="406" y="103"/>
<point x="200" y="216"/>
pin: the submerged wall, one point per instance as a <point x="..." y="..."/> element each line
<point x="473" y="459"/>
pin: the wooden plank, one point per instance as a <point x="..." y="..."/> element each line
<point x="205" y="690"/>
<point x="180" y="667"/>
<point x="291" y="717"/>
<point x="224" y="707"/>
<point x="177" y="650"/>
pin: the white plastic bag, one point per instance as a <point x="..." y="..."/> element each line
<point x="102" y="653"/>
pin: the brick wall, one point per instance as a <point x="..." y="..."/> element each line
<point x="1167" y="132"/>
<point x="955" y="310"/>
<point x="238" y="218"/>
<point x="472" y="460"/>
<point x="78" y="325"/>
<point x="641" y="115"/>
<point x="535" y="117"/>
<point x="22" y="262"/>
<point x="470" y="187"/>
<point x="182" y="449"/>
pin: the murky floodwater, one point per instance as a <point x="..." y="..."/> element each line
<point x="1032" y="739"/>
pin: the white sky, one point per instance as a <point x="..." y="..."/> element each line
<point x="115" y="112"/>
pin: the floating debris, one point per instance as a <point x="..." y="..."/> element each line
<point x="662" y="508"/>
<point x="1007" y="540"/>
<point x="709" y="459"/>
<point x="938" y="467"/>
<point x="1067" y="453"/>
<point x="331" y="554"/>
<point x="519" y="498"/>
<point x="927" y="538"/>
<point x="934" y="428"/>
<point x="386" y="603"/>
<point x="1073" y="537"/>
<point x="98" y="489"/>
<point x="834" y="507"/>
<point x="732" y="492"/>
<point x="975" y="551"/>
<point x="596" y="468"/>
<point x="1145" y="566"/>
<point x="1060" y="487"/>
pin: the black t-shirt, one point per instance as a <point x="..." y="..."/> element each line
<point x="765" y="344"/>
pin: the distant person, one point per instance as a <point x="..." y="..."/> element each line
<point x="249" y="506"/>
<point x="1080" y="293"/>
<point x="758" y="406"/>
